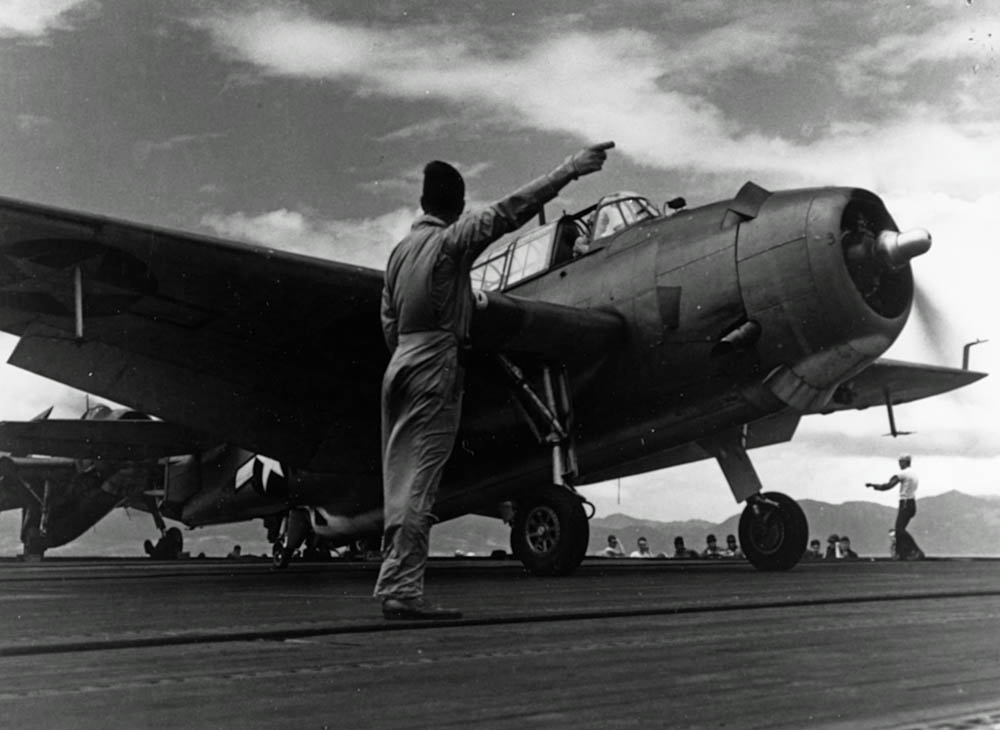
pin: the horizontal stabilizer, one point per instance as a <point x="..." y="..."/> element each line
<point x="109" y="440"/>
<point x="904" y="381"/>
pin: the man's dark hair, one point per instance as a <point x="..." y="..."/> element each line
<point x="444" y="190"/>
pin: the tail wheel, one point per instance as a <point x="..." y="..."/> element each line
<point x="550" y="532"/>
<point x="773" y="532"/>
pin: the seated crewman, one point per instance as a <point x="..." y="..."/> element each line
<point x="643" y="550"/>
<point x="712" y="549"/>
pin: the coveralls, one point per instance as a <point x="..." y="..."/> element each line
<point x="426" y="312"/>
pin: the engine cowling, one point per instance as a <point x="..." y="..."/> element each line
<point x="826" y="276"/>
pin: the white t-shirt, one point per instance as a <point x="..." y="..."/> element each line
<point x="908" y="482"/>
<point x="637" y="554"/>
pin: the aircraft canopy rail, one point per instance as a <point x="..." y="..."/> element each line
<point x="510" y="261"/>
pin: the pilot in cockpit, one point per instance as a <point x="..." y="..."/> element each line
<point x="581" y="245"/>
<point x="609" y="220"/>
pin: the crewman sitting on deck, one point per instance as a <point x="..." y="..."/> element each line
<point x="614" y="548"/>
<point x="643" y="549"/>
<point x="682" y="552"/>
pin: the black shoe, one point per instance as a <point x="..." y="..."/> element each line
<point x="415" y="609"/>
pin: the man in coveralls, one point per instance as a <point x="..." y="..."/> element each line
<point x="906" y="546"/>
<point x="426" y="311"/>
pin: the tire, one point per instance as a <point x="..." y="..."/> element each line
<point x="777" y="538"/>
<point x="280" y="556"/>
<point x="550" y="532"/>
<point x="175" y="543"/>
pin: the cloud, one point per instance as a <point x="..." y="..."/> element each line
<point x="29" y="123"/>
<point x="35" y="18"/>
<point x="408" y="184"/>
<point x="651" y="93"/>
<point x="886" y="66"/>
<point x="365" y="242"/>
<point x="143" y="149"/>
<point x="211" y="189"/>
<point x="420" y="130"/>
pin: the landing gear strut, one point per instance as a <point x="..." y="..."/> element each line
<point x="550" y="530"/>
<point x="773" y="528"/>
<point x="297" y="528"/>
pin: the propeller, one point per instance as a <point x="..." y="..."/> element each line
<point x="931" y="320"/>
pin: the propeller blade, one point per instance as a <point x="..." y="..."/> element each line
<point x="931" y="320"/>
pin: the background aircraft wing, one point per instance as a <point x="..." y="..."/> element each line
<point x="266" y="349"/>
<point x="110" y="440"/>
<point x="905" y="381"/>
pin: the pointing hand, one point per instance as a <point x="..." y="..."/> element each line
<point x="590" y="159"/>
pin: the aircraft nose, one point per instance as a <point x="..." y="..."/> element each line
<point x="896" y="249"/>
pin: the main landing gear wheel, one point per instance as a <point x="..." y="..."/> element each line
<point x="773" y="532"/>
<point x="550" y="532"/>
<point x="281" y="555"/>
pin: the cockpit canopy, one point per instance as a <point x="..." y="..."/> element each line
<point x="509" y="261"/>
<point x="619" y="211"/>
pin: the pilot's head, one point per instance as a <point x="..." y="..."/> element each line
<point x="612" y="540"/>
<point x="904" y="461"/>
<point x="678" y="542"/>
<point x="731" y="540"/>
<point x="642" y="543"/>
<point x="710" y="540"/>
<point x="444" y="191"/>
<point x="814" y="545"/>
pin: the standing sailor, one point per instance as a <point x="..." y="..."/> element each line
<point x="906" y="478"/>
<point x="426" y="312"/>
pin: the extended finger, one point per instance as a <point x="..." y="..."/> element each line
<point x="602" y="146"/>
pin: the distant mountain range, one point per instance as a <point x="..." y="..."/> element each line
<point x="950" y="524"/>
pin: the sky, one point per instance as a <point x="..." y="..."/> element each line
<point x="305" y="125"/>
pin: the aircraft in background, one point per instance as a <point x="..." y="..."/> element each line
<point x="60" y="498"/>
<point x="67" y="475"/>
<point x="607" y="343"/>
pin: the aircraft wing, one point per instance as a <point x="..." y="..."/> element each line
<point x="111" y="440"/>
<point x="902" y="381"/>
<point x="266" y="349"/>
<point x="275" y="352"/>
